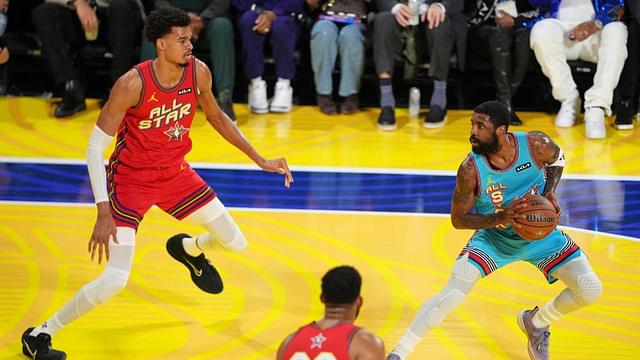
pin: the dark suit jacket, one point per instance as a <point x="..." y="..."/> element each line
<point x="454" y="13"/>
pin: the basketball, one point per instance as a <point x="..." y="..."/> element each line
<point x="540" y="218"/>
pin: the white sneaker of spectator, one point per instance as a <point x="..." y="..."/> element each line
<point x="281" y="102"/>
<point x="594" y="123"/>
<point x="569" y="109"/>
<point x="258" y="96"/>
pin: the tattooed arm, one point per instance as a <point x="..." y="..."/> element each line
<point x="546" y="152"/>
<point x="463" y="199"/>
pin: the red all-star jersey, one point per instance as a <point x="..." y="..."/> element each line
<point x="313" y="343"/>
<point x="155" y="132"/>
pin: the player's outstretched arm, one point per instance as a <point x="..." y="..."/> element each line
<point x="551" y="157"/>
<point x="462" y="202"/>
<point x="125" y="94"/>
<point x="366" y="346"/>
<point x="229" y="131"/>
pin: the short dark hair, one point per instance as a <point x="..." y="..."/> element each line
<point x="160" y="21"/>
<point x="341" y="285"/>
<point x="498" y="112"/>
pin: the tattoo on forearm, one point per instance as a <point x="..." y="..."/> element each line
<point x="554" y="173"/>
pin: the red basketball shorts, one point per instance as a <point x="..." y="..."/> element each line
<point x="178" y="190"/>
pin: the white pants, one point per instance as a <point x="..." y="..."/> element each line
<point x="608" y="48"/>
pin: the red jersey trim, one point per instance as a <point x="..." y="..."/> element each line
<point x="196" y="89"/>
<point x="157" y="82"/>
<point x="513" y="161"/>
<point x="141" y="96"/>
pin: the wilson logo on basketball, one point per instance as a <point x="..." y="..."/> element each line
<point x="539" y="218"/>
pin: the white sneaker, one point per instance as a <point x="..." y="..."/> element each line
<point x="258" y="97"/>
<point x="594" y="123"/>
<point x="282" y="97"/>
<point x="569" y="109"/>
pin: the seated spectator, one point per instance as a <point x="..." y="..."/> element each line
<point x="213" y="31"/>
<point x="627" y="102"/>
<point x="339" y="29"/>
<point x="445" y="26"/>
<point x="258" y="20"/>
<point x="576" y="29"/>
<point x="500" y="36"/>
<point x="69" y="24"/>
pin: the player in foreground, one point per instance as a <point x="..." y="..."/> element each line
<point x="335" y="336"/>
<point x="502" y="168"/>
<point x="152" y="107"/>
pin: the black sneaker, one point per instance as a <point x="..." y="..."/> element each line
<point x="72" y="99"/>
<point x="387" y="119"/>
<point x="624" y="116"/>
<point x="203" y="273"/>
<point x="227" y="108"/>
<point x="514" y="119"/>
<point x="39" y="347"/>
<point x="435" y="117"/>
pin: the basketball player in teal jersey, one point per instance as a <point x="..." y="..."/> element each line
<point x="502" y="168"/>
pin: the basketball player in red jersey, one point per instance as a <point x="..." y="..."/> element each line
<point x="151" y="107"/>
<point x="335" y="337"/>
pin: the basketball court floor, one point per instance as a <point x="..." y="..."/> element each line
<point x="375" y="200"/>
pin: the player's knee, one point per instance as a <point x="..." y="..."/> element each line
<point x="112" y="282"/>
<point x="463" y="270"/>
<point x="589" y="288"/>
<point x="446" y="303"/>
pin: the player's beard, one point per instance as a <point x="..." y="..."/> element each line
<point x="488" y="147"/>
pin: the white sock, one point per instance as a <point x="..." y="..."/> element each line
<point x="546" y="315"/>
<point x="192" y="245"/>
<point x="50" y="327"/>
<point x="407" y="343"/>
<point x="282" y="81"/>
<point x="256" y="81"/>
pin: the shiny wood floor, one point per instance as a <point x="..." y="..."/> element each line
<point x="273" y="287"/>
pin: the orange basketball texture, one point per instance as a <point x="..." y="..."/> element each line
<point x="540" y="218"/>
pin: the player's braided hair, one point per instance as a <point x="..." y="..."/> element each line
<point x="160" y="21"/>
<point x="498" y="112"/>
<point x="341" y="285"/>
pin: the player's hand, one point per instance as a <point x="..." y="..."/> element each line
<point x="280" y="166"/>
<point x="263" y="22"/>
<point x="403" y="15"/>
<point x="87" y="17"/>
<point x="512" y="212"/>
<point x="504" y="20"/>
<point x="583" y="30"/>
<point x="434" y="16"/>
<point x="551" y="196"/>
<point x="197" y="24"/>
<point x="104" y="229"/>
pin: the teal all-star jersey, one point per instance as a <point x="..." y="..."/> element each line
<point x="498" y="188"/>
<point x="493" y="248"/>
